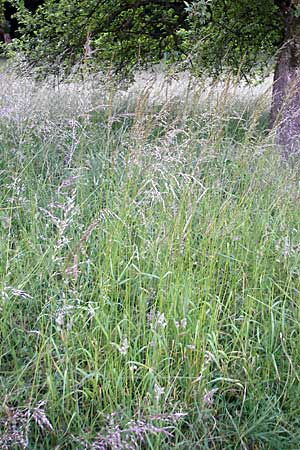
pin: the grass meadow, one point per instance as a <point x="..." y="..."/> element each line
<point x="149" y="268"/>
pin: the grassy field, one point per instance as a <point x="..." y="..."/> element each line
<point x="149" y="269"/>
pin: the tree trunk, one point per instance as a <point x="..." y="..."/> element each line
<point x="7" y="38"/>
<point x="285" y="111"/>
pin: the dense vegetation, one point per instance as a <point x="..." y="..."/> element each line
<point x="149" y="270"/>
<point x="215" y="37"/>
<point x="149" y="238"/>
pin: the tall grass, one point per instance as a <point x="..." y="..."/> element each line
<point x="150" y="261"/>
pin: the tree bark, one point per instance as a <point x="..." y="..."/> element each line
<point x="285" y="110"/>
<point x="7" y="38"/>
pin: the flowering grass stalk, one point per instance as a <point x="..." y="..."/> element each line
<point x="149" y="270"/>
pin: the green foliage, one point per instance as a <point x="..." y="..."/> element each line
<point x="1" y="10"/>
<point x="4" y="24"/>
<point x="120" y="34"/>
<point x="234" y="35"/>
<point x="215" y="36"/>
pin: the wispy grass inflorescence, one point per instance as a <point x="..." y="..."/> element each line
<point x="149" y="287"/>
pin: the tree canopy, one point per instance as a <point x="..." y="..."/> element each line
<point x="117" y="33"/>
<point x="246" y="37"/>
<point x="235" y="35"/>
<point x="213" y="35"/>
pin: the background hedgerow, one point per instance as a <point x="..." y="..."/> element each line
<point x="150" y="262"/>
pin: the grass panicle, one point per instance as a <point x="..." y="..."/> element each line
<point x="149" y="270"/>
